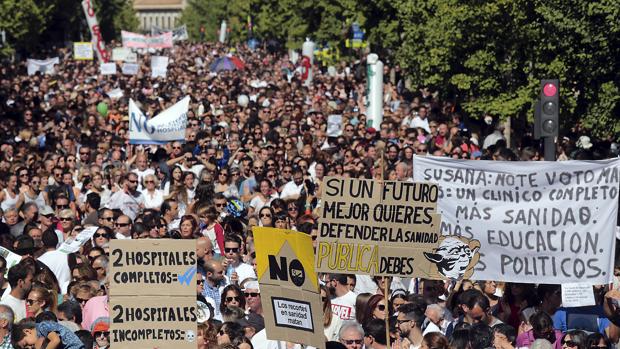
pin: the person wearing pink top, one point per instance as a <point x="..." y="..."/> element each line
<point x="95" y="308"/>
<point x="542" y="328"/>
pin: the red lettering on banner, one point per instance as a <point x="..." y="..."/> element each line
<point x="89" y="9"/>
<point x="342" y="311"/>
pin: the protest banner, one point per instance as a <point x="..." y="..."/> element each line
<point x="83" y="51"/>
<point x="153" y="293"/>
<point x="551" y="221"/>
<point x="134" y="40"/>
<point x="159" y="66"/>
<point x="382" y="228"/>
<point x="102" y="54"/>
<point x="130" y="68"/>
<point x="124" y="54"/>
<point x="107" y="68"/>
<point x="178" y="33"/>
<point x="73" y="245"/>
<point x="166" y="127"/>
<point x="289" y="286"/>
<point x="11" y="259"/>
<point x="44" y="66"/>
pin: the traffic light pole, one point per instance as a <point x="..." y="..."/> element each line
<point x="549" y="145"/>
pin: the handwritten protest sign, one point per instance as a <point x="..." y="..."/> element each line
<point x="159" y="66"/>
<point x="130" y="68"/>
<point x="289" y="286"/>
<point x="124" y="54"/>
<point x="551" y="221"/>
<point x="379" y="228"/>
<point x="108" y="68"/>
<point x="153" y="293"/>
<point x="83" y="51"/>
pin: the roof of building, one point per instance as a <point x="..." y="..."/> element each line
<point x="158" y="4"/>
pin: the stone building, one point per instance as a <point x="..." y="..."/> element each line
<point x="164" y="14"/>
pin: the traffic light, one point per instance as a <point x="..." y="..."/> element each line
<point x="547" y="115"/>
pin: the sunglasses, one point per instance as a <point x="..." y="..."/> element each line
<point x="569" y="343"/>
<point x="265" y="215"/>
<point x="133" y="182"/>
<point x="109" y="219"/>
<point x="66" y="219"/>
<point x="62" y="207"/>
<point x="81" y="300"/>
<point x="31" y="301"/>
<point x="290" y="209"/>
<point x="251" y="294"/>
<point x="381" y="307"/>
<point x="99" y="235"/>
<point x="233" y="250"/>
<point x="200" y="281"/>
<point x="121" y="224"/>
<point x="220" y="205"/>
<point x="230" y="299"/>
<point x="148" y="182"/>
<point x="352" y="341"/>
<point x="104" y="333"/>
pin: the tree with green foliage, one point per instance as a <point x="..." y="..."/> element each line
<point x="490" y="56"/>
<point x="23" y="21"/>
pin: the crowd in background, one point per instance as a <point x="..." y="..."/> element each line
<point x="255" y="153"/>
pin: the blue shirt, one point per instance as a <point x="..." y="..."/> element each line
<point x="589" y="319"/>
<point x="69" y="339"/>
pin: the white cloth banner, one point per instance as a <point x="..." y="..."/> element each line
<point x="102" y="54"/>
<point x="124" y="54"/>
<point x="178" y="33"/>
<point x="166" y="127"/>
<point x="550" y="222"/>
<point x="134" y="40"/>
<point x="44" y="66"/>
<point x="108" y="68"/>
<point x="159" y="66"/>
<point x="130" y="68"/>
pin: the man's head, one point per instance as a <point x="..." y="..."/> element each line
<point x="69" y="311"/>
<point x="93" y="201"/>
<point x="503" y="335"/>
<point x="29" y="211"/>
<point x="475" y="305"/>
<point x="215" y="272"/>
<point x="219" y="201"/>
<point x="6" y="317"/>
<point x="131" y="182"/>
<point x="204" y="248"/>
<point x="351" y="335"/>
<point x="49" y="238"/>
<point x="375" y="333"/>
<point x="409" y="318"/>
<point x="232" y="248"/>
<point x="24" y="334"/>
<point x="170" y="209"/>
<point x="252" y="297"/>
<point x="123" y="225"/>
<point x="105" y="217"/>
<point x="20" y="278"/>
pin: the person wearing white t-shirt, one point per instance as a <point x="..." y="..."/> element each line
<point x="292" y="189"/>
<point x="142" y="169"/>
<point x="20" y="280"/>
<point x="236" y="270"/>
<point x="57" y="261"/>
<point x="343" y="304"/>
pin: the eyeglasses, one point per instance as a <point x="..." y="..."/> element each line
<point x="220" y="205"/>
<point x="251" y="294"/>
<point x="200" y="281"/>
<point x="381" y="307"/>
<point x="569" y="343"/>
<point x="149" y="182"/>
<point x="81" y="300"/>
<point x="290" y="209"/>
<point x="109" y="219"/>
<point x="83" y="153"/>
<point x="99" y="235"/>
<point x="230" y="299"/>
<point x="265" y="215"/>
<point x="133" y="182"/>
<point x="233" y="250"/>
<point x="121" y="224"/>
<point x="352" y="341"/>
<point x="31" y="301"/>
<point x="258" y="168"/>
<point x="104" y="333"/>
<point x="398" y="322"/>
<point x="62" y="207"/>
<point x="23" y="175"/>
<point x="176" y="147"/>
<point x="35" y="183"/>
<point x="66" y="219"/>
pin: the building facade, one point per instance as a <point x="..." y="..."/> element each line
<point x="164" y="14"/>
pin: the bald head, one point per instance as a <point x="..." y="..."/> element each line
<point x="204" y="248"/>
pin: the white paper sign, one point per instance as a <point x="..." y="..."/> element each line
<point x="124" y="54"/>
<point x="577" y="295"/>
<point x="44" y="66"/>
<point x="536" y="221"/>
<point x="130" y="68"/>
<point x="72" y="246"/>
<point x="293" y="313"/>
<point x="10" y="257"/>
<point x="115" y="93"/>
<point x="168" y="126"/>
<point x="108" y="68"/>
<point x="83" y="51"/>
<point x="334" y="125"/>
<point x="159" y="66"/>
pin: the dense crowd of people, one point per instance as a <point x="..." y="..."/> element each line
<point x="256" y="150"/>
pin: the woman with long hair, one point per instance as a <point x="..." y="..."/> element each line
<point x="264" y="195"/>
<point x="225" y="185"/>
<point x="434" y="340"/>
<point x="232" y="296"/>
<point x="188" y="227"/>
<point x="331" y="321"/>
<point x="40" y="299"/>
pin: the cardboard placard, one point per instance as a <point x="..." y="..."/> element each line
<point x="378" y="228"/>
<point x="153" y="322"/>
<point x="153" y="293"/>
<point x="108" y="68"/>
<point x="161" y="267"/>
<point x="289" y="286"/>
<point x="83" y="51"/>
<point x="130" y="68"/>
